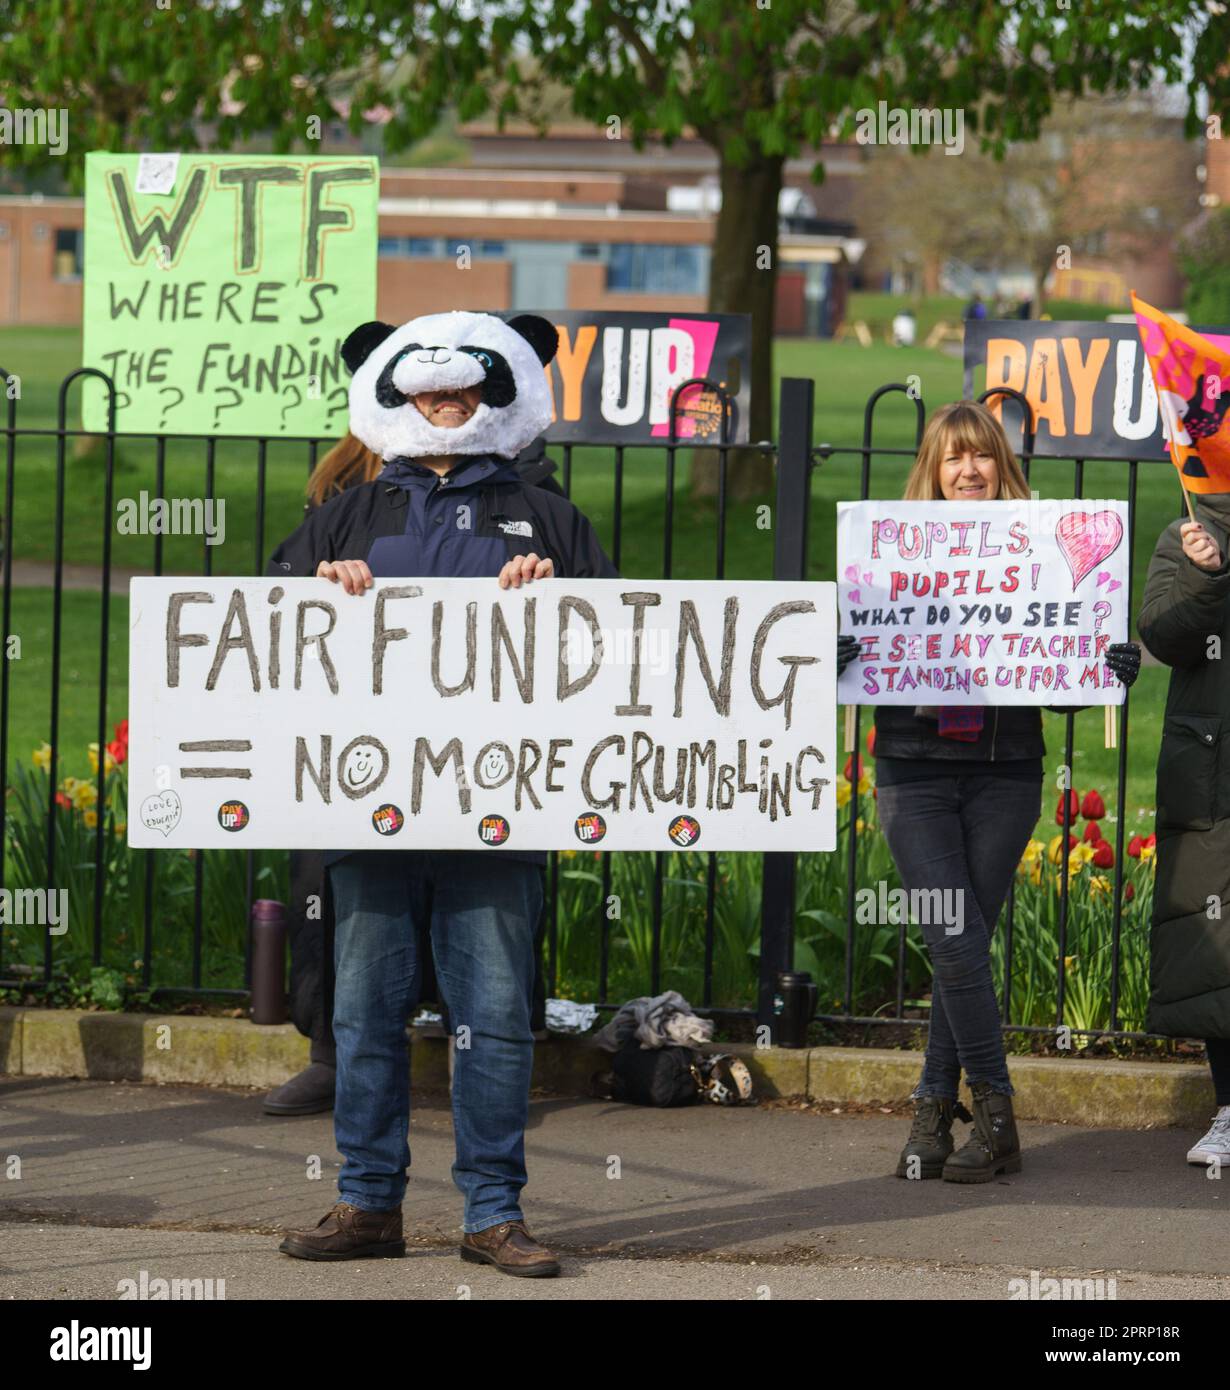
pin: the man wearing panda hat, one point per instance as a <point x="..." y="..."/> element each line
<point x="448" y="401"/>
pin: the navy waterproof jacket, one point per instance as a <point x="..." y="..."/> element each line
<point x="412" y="524"/>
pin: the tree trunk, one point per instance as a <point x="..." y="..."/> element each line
<point x="743" y="280"/>
<point x="1040" y="295"/>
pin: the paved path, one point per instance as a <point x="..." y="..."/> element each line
<point x="41" y="574"/>
<point x="186" y="1182"/>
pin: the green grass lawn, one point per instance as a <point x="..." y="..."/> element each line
<point x="845" y="374"/>
<point x="30" y="676"/>
<point x="877" y="310"/>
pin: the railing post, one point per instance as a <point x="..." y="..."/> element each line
<point x="794" y="435"/>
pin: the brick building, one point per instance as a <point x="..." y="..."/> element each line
<point x="566" y="222"/>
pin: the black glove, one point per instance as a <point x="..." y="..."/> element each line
<point x="848" y="648"/>
<point x="1123" y="658"/>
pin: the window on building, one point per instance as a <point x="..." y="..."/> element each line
<point x="1090" y="244"/>
<point x="415" y="246"/>
<point x="69" y="245"/>
<point x="492" y="250"/>
<point x="635" y="268"/>
<point x="589" y="251"/>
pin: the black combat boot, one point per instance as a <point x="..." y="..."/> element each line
<point x="993" y="1146"/>
<point x="930" y="1140"/>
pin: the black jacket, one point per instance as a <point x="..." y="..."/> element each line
<point x="1182" y="608"/>
<point x="1009" y="732"/>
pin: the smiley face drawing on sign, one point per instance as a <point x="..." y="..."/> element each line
<point x="494" y="766"/>
<point x="161" y="812"/>
<point x="361" y="766"/>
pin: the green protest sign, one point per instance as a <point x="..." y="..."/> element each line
<point x="219" y="289"/>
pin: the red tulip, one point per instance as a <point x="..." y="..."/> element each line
<point x="1134" y="846"/>
<point x="1092" y="833"/>
<point x="62" y="800"/>
<point x="1093" y="807"/>
<point x="118" y="750"/>
<point x="1103" y="855"/>
<point x="1074" y="809"/>
<point x="871" y="741"/>
<point x="1150" y="841"/>
<point x="850" y="761"/>
<point x="1129" y="892"/>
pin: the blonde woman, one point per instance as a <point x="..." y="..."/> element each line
<point x="959" y="792"/>
<point x="349" y="461"/>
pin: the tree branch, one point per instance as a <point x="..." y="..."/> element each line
<point x="654" y="72"/>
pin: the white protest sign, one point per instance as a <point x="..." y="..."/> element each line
<point x="451" y="714"/>
<point x="982" y="603"/>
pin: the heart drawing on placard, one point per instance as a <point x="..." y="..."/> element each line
<point x="161" y="812"/>
<point x="852" y="573"/>
<point x="854" y="596"/>
<point x="1085" y="539"/>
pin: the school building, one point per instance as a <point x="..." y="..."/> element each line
<point x="519" y="227"/>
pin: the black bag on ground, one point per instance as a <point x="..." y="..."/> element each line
<point x="654" y="1075"/>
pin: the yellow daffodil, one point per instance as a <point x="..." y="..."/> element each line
<point x="1035" y="872"/>
<point x="93" y="752"/>
<point x="84" y="795"/>
<point x="1146" y="853"/>
<point x="1081" y="855"/>
<point x="1032" y="852"/>
<point x="843" y="792"/>
<point x="864" y="785"/>
<point x="1099" y="884"/>
<point x="120" y="829"/>
<point x="1054" y="851"/>
<point x="41" y="757"/>
<point x="69" y="786"/>
<point x="91" y="819"/>
<point x="861" y="826"/>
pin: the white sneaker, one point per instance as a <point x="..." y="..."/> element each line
<point x="1216" y="1143"/>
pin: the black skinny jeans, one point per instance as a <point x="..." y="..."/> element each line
<point x="1219" y="1064"/>
<point x="964" y="835"/>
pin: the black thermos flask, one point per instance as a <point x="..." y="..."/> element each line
<point x="794" y="1004"/>
<point x="268" y="961"/>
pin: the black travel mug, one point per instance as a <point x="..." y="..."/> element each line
<point x="794" y="1005"/>
<point x="268" y="961"/>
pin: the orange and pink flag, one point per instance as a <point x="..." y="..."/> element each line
<point x="1192" y="377"/>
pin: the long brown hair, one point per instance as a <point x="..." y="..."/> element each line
<point x="347" y="463"/>
<point x="963" y="426"/>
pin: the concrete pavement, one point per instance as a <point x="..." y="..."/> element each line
<point x="776" y="1201"/>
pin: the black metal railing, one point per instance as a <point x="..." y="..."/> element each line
<point x="55" y="441"/>
<point x="797" y="459"/>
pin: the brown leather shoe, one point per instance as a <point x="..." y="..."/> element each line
<point x="346" y="1232"/>
<point x="512" y="1250"/>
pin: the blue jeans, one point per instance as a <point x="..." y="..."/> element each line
<point x="483" y="918"/>
<point x="963" y="834"/>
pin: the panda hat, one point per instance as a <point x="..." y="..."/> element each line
<point x="441" y="351"/>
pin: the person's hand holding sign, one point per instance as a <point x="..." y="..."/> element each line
<point x="525" y="569"/>
<point x="1199" y="547"/>
<point x="352" y="575"/>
